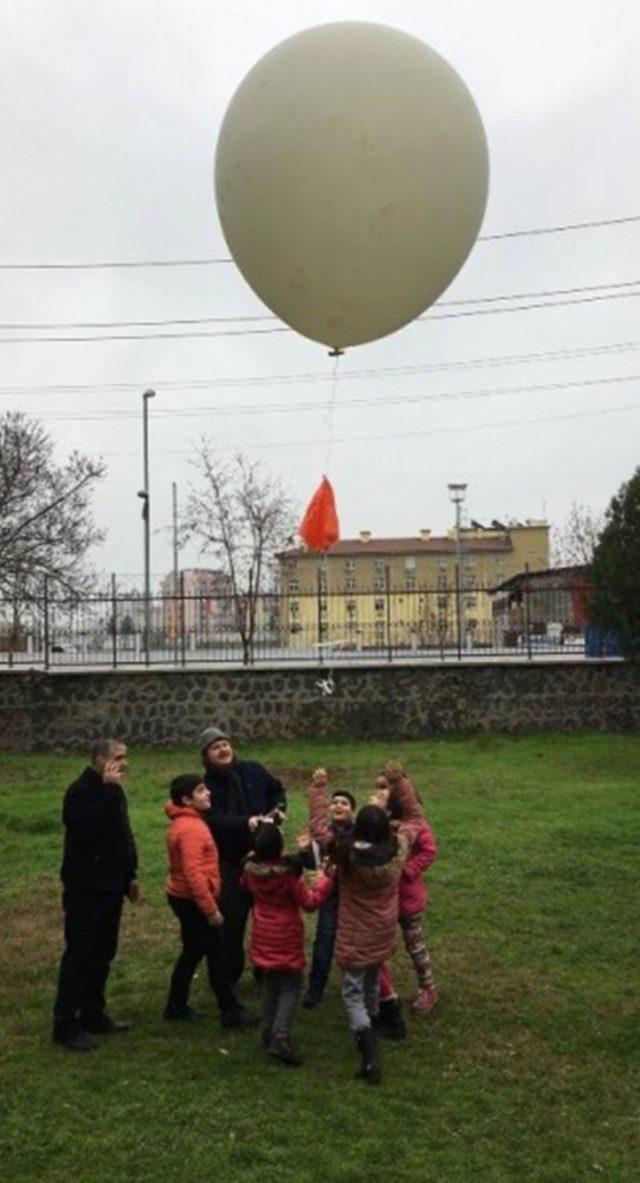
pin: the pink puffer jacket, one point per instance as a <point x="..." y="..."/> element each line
<point x="367" y="900"/>
<point x="413" y="893"/>
<point x="367" y="908"/>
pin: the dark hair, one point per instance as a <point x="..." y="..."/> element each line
<point x="394" y="809"/>
<point x="373" y="830"/>
<point x="343" y="793"/>
<point x="184" y="786"/>
<point x="372" y="825"/>
<point x="268" y="842"/>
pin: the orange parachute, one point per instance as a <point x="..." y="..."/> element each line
<point x="319" y="527"/>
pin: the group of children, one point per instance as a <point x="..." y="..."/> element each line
<point x="370" y="864"/>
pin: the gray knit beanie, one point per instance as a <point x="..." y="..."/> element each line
<point x="209" y="736"/>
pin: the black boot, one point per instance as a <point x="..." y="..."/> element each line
<point x="389" y="1022"/>
<point x="370" y="1066"/>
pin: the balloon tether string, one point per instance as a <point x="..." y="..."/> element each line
<point x="336" y="354"/>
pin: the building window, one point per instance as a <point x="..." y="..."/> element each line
<point x="410" y="563"/>
<point x="380" y="629"/>
<point x="378" y="564"/>
<point x="442" y="580"/>
<point x="294" y="608"/>
<point x="378" y="605"/>
<point x="294" y="587"/>
<point x="378" y="585"/>
<point x="349" y="585"/>
<point x="410" y="583"/>
<point x="350" y="565"/>
<point x="352" y="607"/>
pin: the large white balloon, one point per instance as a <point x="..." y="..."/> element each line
<point x="351" y="180"/>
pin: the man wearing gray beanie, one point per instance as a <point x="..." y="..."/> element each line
<point x="243" y="792"/>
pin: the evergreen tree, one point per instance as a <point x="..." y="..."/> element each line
<point x="615" y="570"/>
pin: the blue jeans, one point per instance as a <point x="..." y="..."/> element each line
<point x="323" y="944"/>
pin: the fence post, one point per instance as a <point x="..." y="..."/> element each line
<point x="183" y="634"/>
<point x="46" y="621"/>
<point x="387" y="583"/>
<point x="319" y="612"/>
<point x="114" y="623"/>
<point x="527" y="609"/>
<point x="458" y="620"/>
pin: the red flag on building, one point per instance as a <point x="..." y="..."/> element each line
<point x="319" y="527"/>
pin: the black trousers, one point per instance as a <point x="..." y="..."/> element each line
<point x="91" y="927"/>
<point x="199" y="939"/>
<point x="235" y="905"/>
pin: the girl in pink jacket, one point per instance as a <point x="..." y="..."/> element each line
<point x="396" y="794"/>
<point x="366" y="866"/>
<point x="279" y="892"/>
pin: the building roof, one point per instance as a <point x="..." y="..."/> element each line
<point x="354" y="547"/>
<point x="550" y="577"/>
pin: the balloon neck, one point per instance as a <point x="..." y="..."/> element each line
<point x="336" y="352"/>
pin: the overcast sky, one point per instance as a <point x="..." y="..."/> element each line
<point x="109" y="116"/>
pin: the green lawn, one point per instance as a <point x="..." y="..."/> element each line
<point x="527" y="1070"/>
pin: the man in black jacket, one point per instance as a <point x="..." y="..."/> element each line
<point x="99" y="868"/>
<point x="243" y="793"/>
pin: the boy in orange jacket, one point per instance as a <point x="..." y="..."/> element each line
<point x="193" y="887"/>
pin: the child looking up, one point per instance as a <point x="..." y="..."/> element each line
<point x="277" y="936"/>
<point x="396" y="794"/>
<point x="367" y="865"/>
<point x="193" y="887"/>
<point x="314" y="846"/>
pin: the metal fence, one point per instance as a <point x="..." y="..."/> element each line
<point x="324" y="628"/>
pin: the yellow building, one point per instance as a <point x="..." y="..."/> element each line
<point x="419" y="593"/>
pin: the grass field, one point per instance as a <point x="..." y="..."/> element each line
<point x="527" y="1070"/>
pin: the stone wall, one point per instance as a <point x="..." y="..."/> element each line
<point x="68" y="710"/>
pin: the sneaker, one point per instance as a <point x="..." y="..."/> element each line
<point x="280" y="1048"/>
<point x="424" y="1001"/>
<point x="105" y="1025"/>
<point x="188" y="1014"/>
<point x="311" y="999"/>
<point x="74" y="1041"/>
<point x="238" y="1016"/>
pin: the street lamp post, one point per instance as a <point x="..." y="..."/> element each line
<point x="146" y="520"/>
<point x="457" y="494"/>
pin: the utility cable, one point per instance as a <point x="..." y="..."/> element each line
<point x="207" y="262"/>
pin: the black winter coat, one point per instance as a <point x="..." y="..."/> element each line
<point x="243" y="791"/>
<point x="99" y="849"/>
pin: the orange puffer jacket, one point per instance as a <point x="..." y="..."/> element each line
<point x="193" y="859"/>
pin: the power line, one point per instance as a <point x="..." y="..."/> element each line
<point x="559" y="229"/>
<point x="285" y="329"/>
<point x="306" y="377"/>
<point x="196" y="320"/>
<point x="350" y="439"/>
<point x="264" y="409"/>
<point x="207" y="262"/>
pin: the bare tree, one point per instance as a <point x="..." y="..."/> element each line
<point x="46" y="526"/>
<point x="241" y="515"/>
<point x="573" y="543"/>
